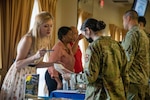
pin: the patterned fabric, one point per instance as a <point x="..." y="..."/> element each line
<point x="138" y="90"/>
<point x="148" y="88"/>
<point x="13" y="87"/>
<point x="105" y="71"/>
<point x="148" y="35"/>
<point x="136" y="46"/>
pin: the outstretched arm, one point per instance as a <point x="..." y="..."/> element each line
<point x="75" y="45"/>
<point x="23" y="49"/>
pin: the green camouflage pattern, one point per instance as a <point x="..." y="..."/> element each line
<point x="148" y="88"/>
<point x="136" y="46"/>
<point x="105" y="71"/>
<point x="148" y="35"/>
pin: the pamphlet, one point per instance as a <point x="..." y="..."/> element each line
<point x="31" y="85"/>
<point x="61" y="69"/>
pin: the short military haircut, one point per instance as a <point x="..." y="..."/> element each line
<point x="132" y="13"/>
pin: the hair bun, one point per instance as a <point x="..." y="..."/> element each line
<point x="101" y="25"/>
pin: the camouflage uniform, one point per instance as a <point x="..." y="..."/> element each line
<point x="105" y="71"/>
<point x="136" y="45"/>
<point x="148" y="90"/>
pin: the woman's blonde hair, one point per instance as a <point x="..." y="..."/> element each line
<point x="40" y="18"/>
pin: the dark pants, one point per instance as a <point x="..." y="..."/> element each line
<point x="51" y="83"/>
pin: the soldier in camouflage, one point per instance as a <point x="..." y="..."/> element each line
<point x="105" y="70"/>
<point x="136" y="46"/>
<point x="142" y="24"/>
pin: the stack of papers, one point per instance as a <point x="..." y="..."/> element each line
<point x="71" y="91"/>
<point x="66" y="91"/>
<point x="61" y="69"/>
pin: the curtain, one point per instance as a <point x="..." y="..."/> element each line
<point x="50" y="6"/>
<point x="123" y="33"/>
<point x="83" y="15"/>
<point x="0" y="41"/>
<point x="0" y="36"/>
<point x="15" y="20"/>
<point x="116" y="32"/>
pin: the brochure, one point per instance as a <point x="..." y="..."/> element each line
<point x="31" y="85"/>
<point x="61" y="69"/>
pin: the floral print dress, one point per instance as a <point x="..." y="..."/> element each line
<point x="13" y="87"/>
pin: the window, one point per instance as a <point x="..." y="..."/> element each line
<point x="34" y="13"/>
<point x="81" y="42"/>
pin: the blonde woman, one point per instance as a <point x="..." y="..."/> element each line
<point x="30" y="52"/>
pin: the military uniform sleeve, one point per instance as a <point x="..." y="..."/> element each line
<point x="124" y="70"/>
<point x="130" y="46"/>
<point x="91" y="68"/>
<point x="92" y="63"/>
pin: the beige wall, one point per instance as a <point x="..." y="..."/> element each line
<point x="66" y="13"/>
<point x="110" y="13"/>
<point x="147" y="15"/>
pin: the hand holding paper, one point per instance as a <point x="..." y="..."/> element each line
<point x="61" y="69"/>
